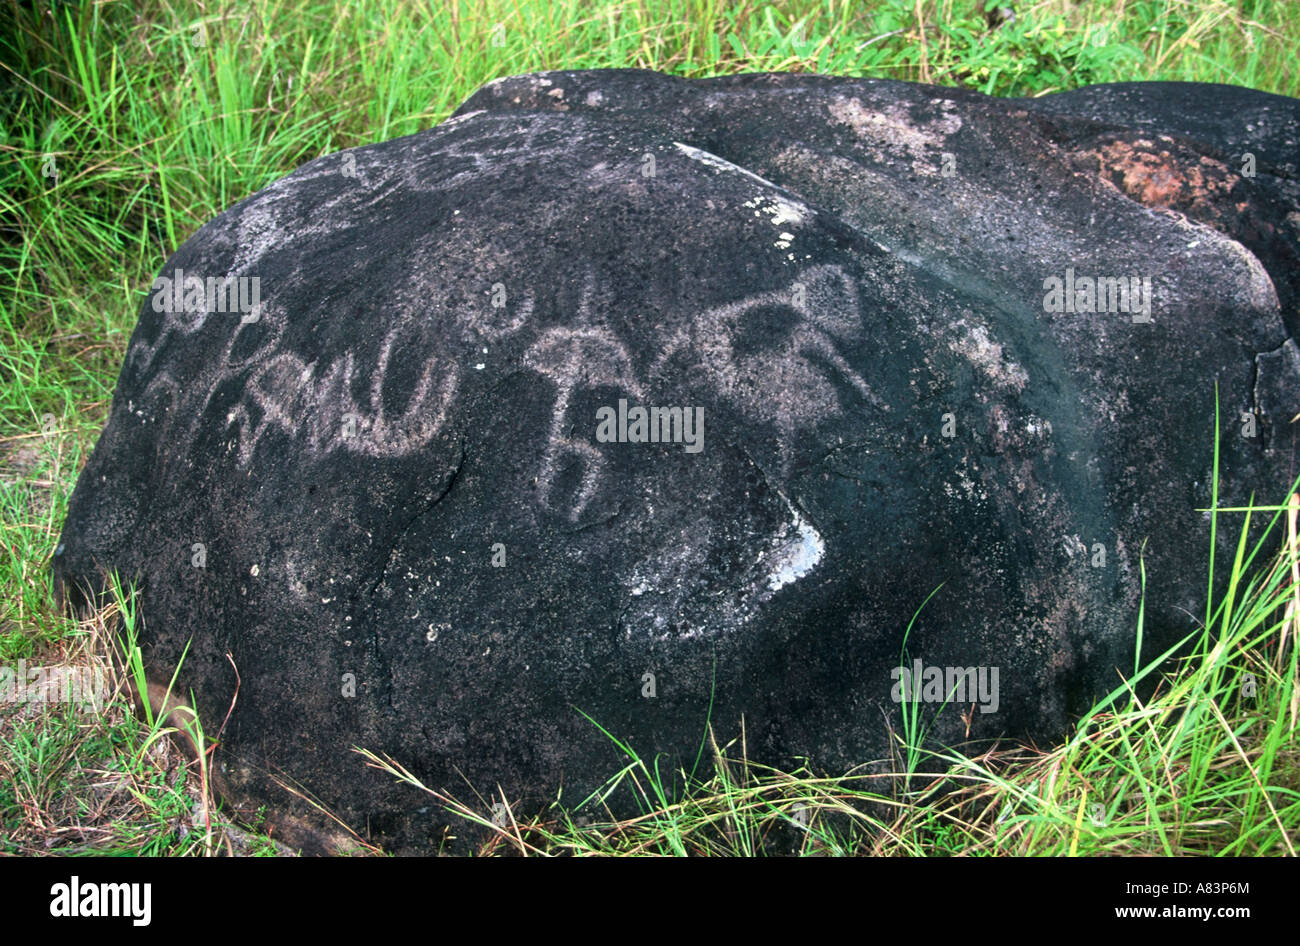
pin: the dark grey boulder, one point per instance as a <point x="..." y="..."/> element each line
<point x="398" y="480"/>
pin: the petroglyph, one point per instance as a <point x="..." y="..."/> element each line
<point x="790" y="384"/>
<point x="502" y="322"/>
<point x="312" y="403"/>
<point x="573" y="358"/>
<point x="292" y="398"/>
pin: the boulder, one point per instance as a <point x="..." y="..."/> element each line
<point x="653" y="403"/>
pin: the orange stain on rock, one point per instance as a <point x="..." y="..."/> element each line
<point x="1156" y="177"/>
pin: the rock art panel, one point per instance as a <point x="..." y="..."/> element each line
<point x="402" y="491"/>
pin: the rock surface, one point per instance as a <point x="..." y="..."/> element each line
<point x="398" y="489"/>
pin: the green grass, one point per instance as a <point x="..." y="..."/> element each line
<point x="124" y="126"/>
